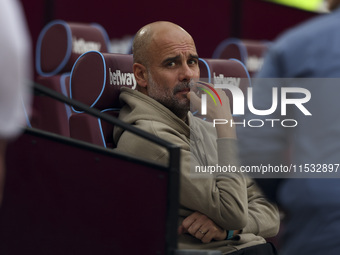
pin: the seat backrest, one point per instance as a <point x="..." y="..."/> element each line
<point x="249" y="52"/>
<point x="59" y="45"/>
<point x="96" y="79"/>
<point x="225" y="71"/>
<point x="49" y="114"/>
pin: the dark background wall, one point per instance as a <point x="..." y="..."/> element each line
<point x="208" y="21"/>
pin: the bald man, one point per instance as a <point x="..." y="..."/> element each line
<point x="222" y="211"/>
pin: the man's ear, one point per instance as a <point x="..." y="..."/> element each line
<point x="141" y="75"/>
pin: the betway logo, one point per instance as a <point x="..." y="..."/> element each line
<point x="119" y="78"/>
<point x="81" y="46"/>
<point x="220" y="79"/>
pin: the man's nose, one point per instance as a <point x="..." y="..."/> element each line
<point x="186" y="73"/>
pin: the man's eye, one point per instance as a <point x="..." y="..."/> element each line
<point x="171" y="64"/>
<point x="192" y="62"/>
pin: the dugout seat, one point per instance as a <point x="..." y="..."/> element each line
<point x="96" y="80"/>
<point x="249" y="52"/>
<point x="59" y="45"/>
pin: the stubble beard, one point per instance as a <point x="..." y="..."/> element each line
<point x="168" y="98"/>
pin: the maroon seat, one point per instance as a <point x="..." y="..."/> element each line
<point x="223" y="71"/>
<point x="59" y="45"/>
<point x="96" y="80"/>
<point x="49" y="114"/>
<point x="249" y="52"/>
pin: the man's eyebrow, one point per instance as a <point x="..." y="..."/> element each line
<point x="194" y="56"/>
<point x="171" y="59"/>
<point x="175" y="58"/>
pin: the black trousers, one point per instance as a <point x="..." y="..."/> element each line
<point x="261" y="249"/>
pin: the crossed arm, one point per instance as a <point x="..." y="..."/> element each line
<point x="203" y="228"/>
<point x="263" y="220"/>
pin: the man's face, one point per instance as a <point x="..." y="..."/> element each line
<point x="173" y="66"/>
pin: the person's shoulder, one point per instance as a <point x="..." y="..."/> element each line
<point x="129" y="92"/>
<point x="314" y="27"/>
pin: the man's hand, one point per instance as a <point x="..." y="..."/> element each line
<point x="201" y="227"/>
<point x="217" y="111"/>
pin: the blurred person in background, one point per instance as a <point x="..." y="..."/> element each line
<point x="312" y="207"/>
<point x="15" y="75"/>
